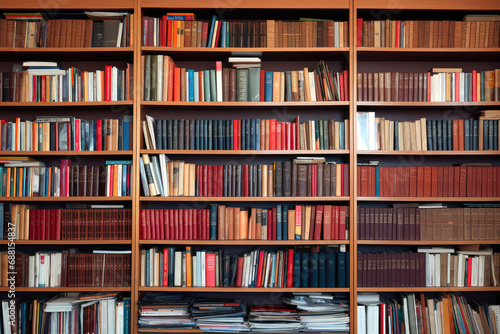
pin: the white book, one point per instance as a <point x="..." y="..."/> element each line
<point x="474" y="271"/>
<point x="119" y="314"/>
<point x="114" y="84"/>
<point x="267" y="269"/>
<point x="104" y="316"/>
<point x="151" y="127"/>
<point x="480" y="278"/>
<point x="159" y="84"/>
<point x="194" y="270"/>
<point x="47" y="269"/>
<point x="111" y="316"/>
<point x="52" y="270"/>
<point x="362" y="319"/>
<point x="462" y="87"/>
<point x="406" y="315"/>
<point x="41" y="270"/>
<point x="203" y="271"/>
<point x="460" y="272"/>
<point x="5" y="316"/>
<point x="120" y="35"/>
<point x="372" y="319"/>
<point x="218" y="79"/>
<point x="31" y="269"/>
<point x="312" y="86"/>
<point x="164" y="173"/>
<point x="196" y="80"/>
<point x="143" y="267"/>
<point x="496" y="311"/>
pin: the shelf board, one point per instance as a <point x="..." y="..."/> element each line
<point x="238" y="289"/>
<point x="429" y="199"/>
<point x="245" y="104"/>
<point x="428" y="242"/>
<point x="366" y="152"/>
<point x="259" y="4"/>
<point x="59" y="153"/>
<point x="429" y="289"/>
<point x="162" y="330"/>
<point x="246" y="152"/>
<point x="429" y="5"/>
<point x="427" y="104"/>
<point x="51" y="7"/>
<point x="68" y="54"/>
<point x="68" y="242"/>
<point x="67" y="199"/>
<point x="244" y="199"/>
<point x="422" y="54"/>
<point x="67" y="289"/>
<point x="245" y="242"/>
<point x="299" y="53"/>
<point x="65" y="104"/>
<point x="4" y="50"/>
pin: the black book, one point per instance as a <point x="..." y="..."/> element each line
<point x="186" y="134"/>
<point x="159" y="132"/>
<point x="175" y="135"/>
<point x="170" y="135"/>
<point x="164" y="134"/>
<point x="181" y="134"/>
<point x="97" y="33"/>
<point x="278" y="178"/>
<point x="259" y="180"/>
<point x="192" y="141"/>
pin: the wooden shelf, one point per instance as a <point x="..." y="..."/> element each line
<point x="59" y="153"/>
<point x="65" y="104"/>
<point x="67" y="199"/>
<point x="427" y="54"/>
<point x="238" y="289"/>
<point x="430" y="289"/>
<point x="259" y="4"/>
<point x="427" y="104"/>
<point x="246" y="104"/>
<point x="162" y="330"/>
<point x="428" y="242"/>
<point x="68" y="242"/>
<point x="68" y="54"/>
<point x="68" y="289"/>
<point x="247" y="152"/>
<point x="437" y="153"/>
<point x="243" y="199"/>
<point x="67" y="50"/>
<point x="429" y="199"/>
<point x="245" y="242"/>
<point x="50" y="7"/>
<point x="489" y="5"/>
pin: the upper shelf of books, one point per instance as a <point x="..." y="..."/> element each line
<point x="395" y="6"/>
<point x="290" y="4"/>
<point x="54" y="6"/>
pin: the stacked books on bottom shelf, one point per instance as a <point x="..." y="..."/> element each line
<point x="166" y="311"/>
<point x="299" y="267"/>
<point x="88" y="313"/>
<point x="220" y="315"/>
<point x="416" y="313"/>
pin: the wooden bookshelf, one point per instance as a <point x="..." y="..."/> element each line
<point x="239" y="289"/>
<point x="68" y="242"/>
<point x="244" y="242"/>
<point x="60" y="153"/>
<point x="245" y="104"/>
<point x="247" y="152"/>
<point x="429" y="242"/>
<point x="430" y="153"/>
<point x="429" y="199"/>
<point x="244" y="199"/>
<point x="65" y="104"/>
<point x="67" y="199"/>
<point x="69" y="289"/>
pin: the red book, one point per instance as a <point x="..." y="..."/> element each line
<point x="457" y="87"/>
<point x="204" y="34"/>
<point x="207" y="223"/>
<point x="341" y="85"/>
<point x="342" y="220"/>
<point x="209" y="180"/>
<point x="164" y="29"/>
<point x="359" y="32"/>
<point x="157" y="224"/>
<point x="32" y="224"/>
<point x="165" y="267"/>
<point x="289" y="277"/>
<point x="420" y="181"/>
<point x="440" y="181"/>
<point x="428" y="86"/>
<point x="166" y="225"/>
<point x="335" y="223"/>
<point x="161" y="223"/>
<point x="413" y="181"/>
<point x="461" y="134"/>
<point x="463" y="181"/>
<point x="238" y="134"/>
<point x="260" y="269"/>
<point x="181" y="224"/>
<point x="398" y="34"/>
<point x="107" y="83"/>
<point x="196" y="224"/>
<point x="434" y="181"/>
<point x="169" y="33"/>
<point x="170" y="78"/>
<point x="392" y="172"/>
<point x="43" y="89"/>
<point x="427" y="181"/>
<point x="199" y="177"/>
<point x="474" y="86"/>
<point x="176" y="223"/>
<point x="177" y="84"/>
<point x="245" y="181"/>
<point x="273" y="226"/>
<point x="469" y="271"/>
<point x="454" y="124"/>
<point x="204" y="180"/>
<point x="456" y="181"/>
<point x="317" y="223"/>
<point x="235" y="135"/>
<point x="272" y="134"/>
<point x="239" y="271"/>
<point x="346" y="84"/>
<point x="218" y="28"/>
<point x="262" y="85"/>
<point x="278" y="135"/>
<point x="188" y="221"/>
<point x="220" y="182"/>
<point x="98" y="135"/>
<point x="152" y="224"/>
<point x="42" y="225"/>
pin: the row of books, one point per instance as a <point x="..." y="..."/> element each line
<point x="170" y="31"/>
<point x="476" y="32"/>
<point x="66" y="33"/>
<point x="378" y="133"/>
<point x="66" y="133"/>
<point x="70" y="313"/>
<point x="429" y="181"/>
<point x="34" y="179"/>
<point x="69" y="268"/>
<point x="442" y="85"/>
<point x="410" y="223"/>
<point x="245" y="134"/>
<point x="71" y="85"/>
<point x="412" y="313"/>
<point x="429" y="267"/>
<point x="292" y="267"/>
<point x="26" y="222"/>
<point x="165" y="81"/>
<point x="303" y="177"/>
<point x="220" y="222"/>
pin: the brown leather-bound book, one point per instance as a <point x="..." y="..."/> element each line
<point x="388" y="33"/>
<point x="11" y="30"/>
<point x="427" y="34"/>
<point x="489" y="83"/>
<point x="232" y="85"/>
<point x="451" y="34"/>
<point x="445" y="33"/>
<point x="292" y="34"/>
<point x="387" y="86"/>
<point x="382" y="33"/>
<point x="497" y="84"/>
<point x="61" y="31"/>
<point x="315" y="28"/>
<point x="496" y="35"/>
<point x="365" y="87"/>
<point x="473" y="34"/>
<point x="457" y="34"/>
<point x="225" y="84"/>
<point x="87" y="42"/>
<point x="21" y="28"/>
<point x="360" y="87"/>
<point x="414" y="26"/>
<point x="310" y="34"/>
<point x="326" y="24"/>
<point x="370" y="86"/>
<point x="187" y="33"/>
<point x="270" y="33"/>
<point x="330" y="36"/>
<point x="3" y="32"/>
<point x="411" y="86"/>
<point x="421" y="34"/>
<point x="76" y="34"/>
<point x="70" y="33"/>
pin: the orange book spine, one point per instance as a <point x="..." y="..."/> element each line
<point x="243" y="224"/>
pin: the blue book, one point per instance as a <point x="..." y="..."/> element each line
<point x="213" y="222"/>
<point x="475" y="134"/>
<point x="471" y="134"/>
<point x="341" y="270"/>
<point x="191" y="133"/>
<point x="439" y="134"/>
<point x="288" y="86"/>
<point x="279" y="221"/>
<point x="490" y="134"/>
<point x="434" y="135"/>
<point x="175" y="134"/>
<point x="205" y="134"/>
<point x="396" y="136"/>
<point x="268" y="93"/>
<point x="148" y="265"/>
<point x="252" y="134"/>
<point x="253" y="84"/>
<point x="296" y="262"/>
<point x="445" y="135"/>
<point x="285" y="223"/>
<point x="377" y="181"/>
<point x="331" y="265"/>
<point x="314" y="268"/>
<point x="450" y="134"/>
<point x="220" y="135"/>
<point x="211" y="35"/>
<point x="206" y="87"/>
<point x="257" y="134"/>
<point x="223" y="33"/>
<point x="213" y="86"/>
<point x="191" y="85"/>
<point x="342" y="135"/>
<point x="304" y="269"/>
<point x="482" y="86"/>
<point x="429" y="134"/>
<point x="126" y="315"/>
<point x="495" y="135"/>
<point x="467" y="136"/>
<point x="126" y="135"/>
<point x="243" y="137"/>
<point x="322" y="270"/>
<point x="273" y="270"/>
<point x="485" y="135"/>
<point x="197" y="145"/>
<point x="231" y="134"/>
<point x="247" y="133"/>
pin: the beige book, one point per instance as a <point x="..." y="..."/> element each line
<point x="307" y="227"/>
<point x="282" y="86"/>
<point x="264" y="180"/>
<point x="307" y="87"/>
<point x="291" y="224"/>
<point x="270" y="181"/>
<point x="236" y="221"/>
<point x="338" y="191"/>
<point x="407" y="136"/>
<point x="418" y="135"/>
<point x="276" y="87"/>
<point x="423" y="128"/>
